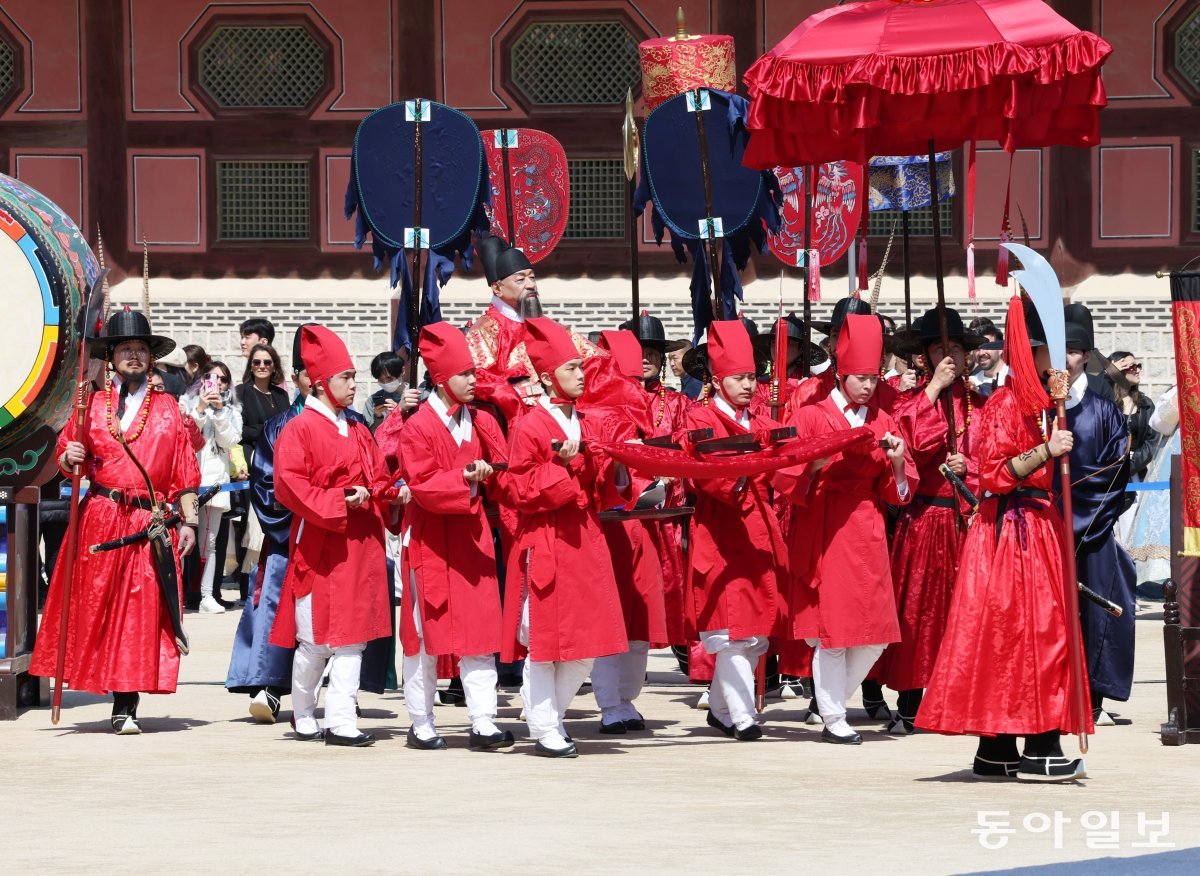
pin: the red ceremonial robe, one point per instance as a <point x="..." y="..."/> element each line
<point x="574" y="607"/>
<point x="668" y="414"/>
<point x="336" y="552"/>
<point x="1002" y="666"/>
<point x="817" y="388"/>
<point x="930" y="532"/>
<point x="841" y="586"/>
<point x="738" y="557"/>
<point x="450" y="550"/>
<point x="119" y="636"/>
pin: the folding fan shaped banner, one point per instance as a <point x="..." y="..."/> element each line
<point x="384" y="172"/>
<point x="530" y="187"/>
<point x="672" y="162"/>
<point x="837" y="211"/>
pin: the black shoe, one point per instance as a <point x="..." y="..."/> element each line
<point x="994" y="770"/>
<point x="412" y="740"/>
<point x="900" y="726"/>
<point x="125" y="725"/>
<point x="362" y="740"/>
<point x="491" y="742"/>
<point x="717" y="724"/>
<point x="635" y="725"/>
<point x="829" y="736"/>
<point x="617" y="728"/>
<point x="544" y="751"/>
<point x="309" y="737"/>
<point x="1050" y="769"/>
<point x="749" y="734"/>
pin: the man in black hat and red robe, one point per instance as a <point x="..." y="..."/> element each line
<point x="124" y="632"/>
<point x="505" y="376"/>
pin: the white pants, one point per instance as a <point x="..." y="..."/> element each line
<point x="617" y="681"/>
<point x="206" y="539"/>
<point x="837" y="674"/>
<point x="731" y="696"/>
<point x="478" y="673"/>
<point x="547" y="689"/>
<point x="308" y="666"/>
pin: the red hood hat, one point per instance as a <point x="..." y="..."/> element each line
<point x="860" y="345"/>
<point x="445" y="352"/>
<point x="730" y="350"/>
<point x="324" y="354"/>
<point x="548" y="344"/>
<point x="626" y="349"/>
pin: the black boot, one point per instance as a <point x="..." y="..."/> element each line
<point x="996" y="758"/>
<point x="906" y="712"/>
<point x="1044" y="760"/>
<point x="873" y="702"/>
<point x="124" y="713"/>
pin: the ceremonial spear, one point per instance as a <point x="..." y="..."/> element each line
<point x="629" y="139"/>
<point x="91" y="326"/>
<point x="1041" y="285"/>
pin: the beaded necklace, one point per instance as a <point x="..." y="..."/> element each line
<point x="970" y="408"/>
<point x="662" y="404"/>
<point x="138" y="427"/>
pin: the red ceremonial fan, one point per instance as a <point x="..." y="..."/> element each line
<point x="668" y="462"/>
<point x="837" y="208"/>
<point x="531" y="191"/>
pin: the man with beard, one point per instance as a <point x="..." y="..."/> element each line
<point x="505" y="375"/>
<point x="123" y="632"/>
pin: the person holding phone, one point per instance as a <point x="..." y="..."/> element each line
<point x="218" y="416"/>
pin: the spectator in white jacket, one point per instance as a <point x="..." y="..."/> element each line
<point x="212" y="405"/>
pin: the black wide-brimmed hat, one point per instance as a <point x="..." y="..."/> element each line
<point x="129" y="325"/>
<point x="927" y="330"/>
<point x="843" y="308"/>
<point x="1080" y="334"/>
<point x="501" y="260"/>
<point x="650" y="331"/>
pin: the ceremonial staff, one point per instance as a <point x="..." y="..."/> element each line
<point x="810" y="181"/>
<point x="91" y="323"/>
<point x="936" y="214"/>
<point x="420" y="113"/>
<point x="1041" y="285"/>
<point x="629" y="138"/>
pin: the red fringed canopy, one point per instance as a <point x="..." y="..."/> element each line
<point x="886" y="76"/>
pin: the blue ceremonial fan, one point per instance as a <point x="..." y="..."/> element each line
<point x="682" y="171"/>
<point x="673" y="168"/>
<point x="384" y="170"/>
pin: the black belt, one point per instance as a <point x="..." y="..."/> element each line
<point x="122" y="498"/>
<point x="1019" y="493"/>
<point x="935" y="501"/>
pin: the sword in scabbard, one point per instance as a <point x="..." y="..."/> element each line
<point x="168" y="522"/>
<point x="959" y="486"/>
<point x="161" y="548"/>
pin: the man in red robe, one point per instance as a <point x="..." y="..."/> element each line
<point x="1002" y="670"/>
<point x="336" y="597"/>
<point x="506" y="376"/>
<point x="929" y="533"/>
<point x="617" y="679"/>
<point x="840" y="594"/>
<point x="738" y="559"/>
<point x="120" y="636"/>
<point x="561" y="604"/>
<point x="452" y="598"/>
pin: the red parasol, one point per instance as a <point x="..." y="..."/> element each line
<point x="888" y="76"/>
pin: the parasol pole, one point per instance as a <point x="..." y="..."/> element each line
<point x="779" y="368"/>
<point x="414" y="306"/>
<point x="936" y="213"/>
<point x="629" y="138"/>
<point x="805" y="354"/>
<point x="697" y="96"/>
<point x="1059" y="383"/>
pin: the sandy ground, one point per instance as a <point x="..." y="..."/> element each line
<point x="206" y="790"/>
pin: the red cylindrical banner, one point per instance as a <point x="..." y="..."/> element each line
<point x="1185" y="308"/>
<point x="671" y="66"/>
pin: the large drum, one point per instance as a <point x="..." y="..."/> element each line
<point x="46" y="268"/>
